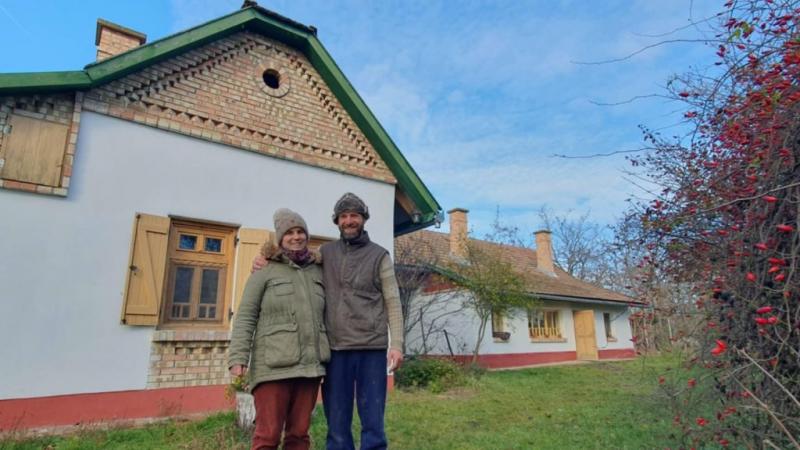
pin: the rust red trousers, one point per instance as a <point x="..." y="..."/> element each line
<point x="284" y="407"/>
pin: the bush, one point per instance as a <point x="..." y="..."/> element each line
<point x="437" y="375"/>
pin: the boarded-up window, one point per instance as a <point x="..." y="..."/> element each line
<point x="34" y="150"/>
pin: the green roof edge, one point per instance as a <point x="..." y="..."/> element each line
<point x="270" y="24"/>
<point x="352" y="102"/>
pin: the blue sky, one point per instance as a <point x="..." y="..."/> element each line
<point x="479" y="96"/>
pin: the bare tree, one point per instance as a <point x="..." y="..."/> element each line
<point x="427" y="309"/>
<point x="579" y="245"/>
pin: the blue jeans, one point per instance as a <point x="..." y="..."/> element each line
<point x="359" y="374"/>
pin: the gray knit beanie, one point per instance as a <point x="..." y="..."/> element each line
<point x="350" y="202"/>
<point x="286" y="219"/>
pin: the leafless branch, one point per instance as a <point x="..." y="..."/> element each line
<point x="640" y="51"/>
<point x="600" y="155"/>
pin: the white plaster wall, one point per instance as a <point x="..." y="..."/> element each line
<point x="65" y="260"/>
<point x="463" y="330"/>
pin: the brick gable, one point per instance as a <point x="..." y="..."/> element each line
<point x="216" y="92"/>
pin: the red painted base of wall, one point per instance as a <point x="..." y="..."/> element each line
<point x="109" y="407"/>
<point x="503" y="360"/>
<point x="617" y="354"/>
<point x="104" y="407"/>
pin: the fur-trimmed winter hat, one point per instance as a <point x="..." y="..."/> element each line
<point x="285" y="219"/>
<point x="350" y="202"/>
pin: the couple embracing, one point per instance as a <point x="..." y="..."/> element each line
<point x="304" y="316"/>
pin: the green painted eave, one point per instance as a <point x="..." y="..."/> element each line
<point x="271" y="25"/>
<point x="11" y="83"/>
<point x="407" y="178"/>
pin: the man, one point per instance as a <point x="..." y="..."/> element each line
<point x="361" y="297"/>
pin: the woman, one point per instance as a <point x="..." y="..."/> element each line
<point x="279" y="337"/>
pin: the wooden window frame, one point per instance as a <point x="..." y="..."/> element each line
<point x="552" y="333"/>
<point x="199" y="259"/>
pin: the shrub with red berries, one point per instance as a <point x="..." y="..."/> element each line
<point x="726" y="223"/>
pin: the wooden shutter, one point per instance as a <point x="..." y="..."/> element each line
<point x="146" y="271"/>
<point x="34" y="150"/>
<point x="250" y="242"/>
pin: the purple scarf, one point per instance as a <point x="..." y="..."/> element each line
<point x="299" y="257"/>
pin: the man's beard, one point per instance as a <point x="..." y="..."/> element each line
<point x="352" y="232"/>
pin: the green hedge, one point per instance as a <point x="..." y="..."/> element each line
<point x="437" y="375"/>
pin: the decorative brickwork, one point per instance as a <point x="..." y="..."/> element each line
<point x="58" y="108"/>
<point x="216" y="92"/>
<point x="188" y="358"/>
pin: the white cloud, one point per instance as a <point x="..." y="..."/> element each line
<point x="480" y="98"/>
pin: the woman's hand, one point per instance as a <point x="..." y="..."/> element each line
<point x="259" y="262"/>
<point x="238" y="370"/>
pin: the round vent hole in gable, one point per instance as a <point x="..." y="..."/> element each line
<point x="272" y="78"/>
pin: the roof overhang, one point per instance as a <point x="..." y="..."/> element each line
<point x="425" y="210"/>
<point x="593" y="301"/>
<point x="539" y="295"/>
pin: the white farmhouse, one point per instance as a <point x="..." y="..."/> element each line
<point x="572" y="319"/>
<point x="135" y="193"/>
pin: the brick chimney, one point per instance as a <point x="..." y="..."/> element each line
<point x="458" y="232"/>
<point x="544" y="252"/>
<point x="112" y="39"/>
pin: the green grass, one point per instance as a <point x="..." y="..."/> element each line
<point x="597" y="405"/>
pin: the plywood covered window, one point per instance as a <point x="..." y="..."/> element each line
<point x="199" y="273"/>
<point x="544" y="324"/>
<point x="33" y="150"/>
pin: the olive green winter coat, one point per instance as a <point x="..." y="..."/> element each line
<point x="279" y="330"/>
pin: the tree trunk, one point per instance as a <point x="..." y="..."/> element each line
<point x="481" y="332"/>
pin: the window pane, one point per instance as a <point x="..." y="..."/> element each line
<point x="179" y="311"/>
<point x="208" y="289"/>
<point x="183" y="285"/>
<point x="213" y="245"/>
<point x="207" y="312"/>
<point x="607" y="323"/>
<point x="187" y="242"/>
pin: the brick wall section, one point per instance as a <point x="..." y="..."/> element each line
<point x="188" y="358"/>
<point x="64" y="108"/>
<point x="216" y="92"/>
<point x="113" y="42"/>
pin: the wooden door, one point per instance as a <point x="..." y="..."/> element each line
<point x="585" y="341"/>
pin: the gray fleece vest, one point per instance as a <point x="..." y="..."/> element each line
<point x="355" y="313"/>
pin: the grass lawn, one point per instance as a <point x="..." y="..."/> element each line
<point x="597" y="405"/>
